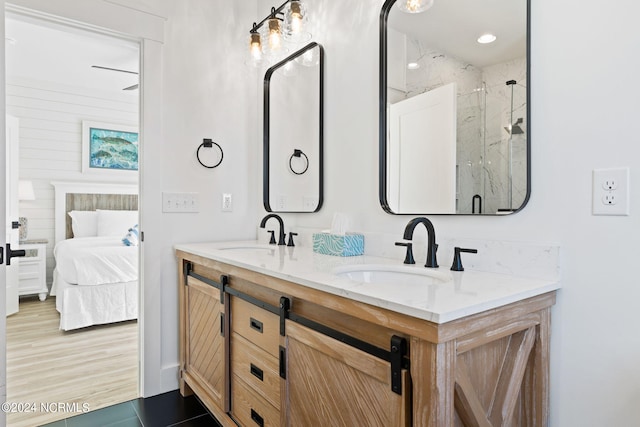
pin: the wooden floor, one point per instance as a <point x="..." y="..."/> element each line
<point x="96" y="366"/>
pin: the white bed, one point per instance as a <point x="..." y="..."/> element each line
<point x="96" y="276"/>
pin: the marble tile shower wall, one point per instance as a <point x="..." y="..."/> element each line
<point x="483" y="97"/>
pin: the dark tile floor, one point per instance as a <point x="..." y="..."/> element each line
<point x="168" y="409"/>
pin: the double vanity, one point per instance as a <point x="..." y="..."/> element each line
<point x="279" y="335"/>
<point x="273" y="335"/>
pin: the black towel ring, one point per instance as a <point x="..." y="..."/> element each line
<point x="298" y="153"/>
<point x="208" y="143"/>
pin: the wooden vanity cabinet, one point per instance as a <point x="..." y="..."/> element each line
<point x="487" y="369"/>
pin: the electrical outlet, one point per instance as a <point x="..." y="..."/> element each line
<point x="610" y="184"/>
<point x="227" y="202"/>
<point x="281" y="202"/>
<point x="611" y="191"/>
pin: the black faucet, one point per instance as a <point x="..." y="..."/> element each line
<point x="281" y="235"/>
<point x="432" y="246"/>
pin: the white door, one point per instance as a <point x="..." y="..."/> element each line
<point x="11" y="275"/>
<point x="422" y="153"/>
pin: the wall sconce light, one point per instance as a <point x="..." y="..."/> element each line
<point x="285" y="22"/>
<point x="415" y="6"/>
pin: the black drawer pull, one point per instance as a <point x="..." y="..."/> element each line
<point x="257" y="372"/>
<point x="255" y="324"/>
<point x="257" y="418"/>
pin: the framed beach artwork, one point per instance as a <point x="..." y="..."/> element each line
<point x="109" y="148"/>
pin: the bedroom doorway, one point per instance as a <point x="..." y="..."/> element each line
<point x="89" y="78"/>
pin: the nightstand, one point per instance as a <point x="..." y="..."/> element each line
<point x="32" y="273"/>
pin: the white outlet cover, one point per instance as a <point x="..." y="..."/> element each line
<point x="610" y="191"/>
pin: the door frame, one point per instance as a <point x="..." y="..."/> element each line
<point x="147" y="29"/>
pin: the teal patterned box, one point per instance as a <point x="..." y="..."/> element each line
<point x="350" y="244"/>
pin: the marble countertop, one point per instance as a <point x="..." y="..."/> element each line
<point x="460" y="294"/>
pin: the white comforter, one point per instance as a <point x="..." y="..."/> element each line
<point x="88" y="261"/>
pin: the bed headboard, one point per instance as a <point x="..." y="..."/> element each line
<point x="89" y="196"/>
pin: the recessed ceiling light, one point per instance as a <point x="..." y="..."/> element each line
<point x="413" y="65"/>
<point x="486" y="38"/>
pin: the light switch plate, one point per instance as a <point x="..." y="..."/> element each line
<point x="180" y="202"/>
<point x="227" y="202"/>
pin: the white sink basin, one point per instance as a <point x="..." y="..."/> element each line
<point x="392" y="274"/>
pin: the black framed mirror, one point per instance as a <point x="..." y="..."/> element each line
<point x="293" y="135"/>
<point x="455" y="107"/>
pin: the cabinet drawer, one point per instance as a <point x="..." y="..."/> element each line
<point x="249" y="409"/>
<point x="257" y="368"/>
<point x="29" y="269"/>
<point x="257" y="325"/>
<point x="30" y="284"/>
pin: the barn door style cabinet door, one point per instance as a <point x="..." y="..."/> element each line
<point x="342" y="386"/>
<point x="203" y="343"/>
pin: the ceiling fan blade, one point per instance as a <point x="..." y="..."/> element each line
<point x="132" y="87"/>
<point x="114" y="69"/>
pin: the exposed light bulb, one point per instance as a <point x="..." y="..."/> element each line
<point x="296" y="24"/>
<point x="255" y="47"/>
<point x="296" y="17"/>
<point x="413" y="65"/>
<point x="274" y="34"/>
<point x="415" y="6"/>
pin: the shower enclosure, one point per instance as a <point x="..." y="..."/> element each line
<point x="491" y="148"/>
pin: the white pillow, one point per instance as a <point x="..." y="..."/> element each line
<point x="116" y="223"/>
<point x="84" y="223"/>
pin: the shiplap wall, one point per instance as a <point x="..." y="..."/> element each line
<point x="51" y="118"/>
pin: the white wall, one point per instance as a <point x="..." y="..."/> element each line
<point x="584" y="107"/>
<point x="209" y="93"/>
<point x="50" y="149"/>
